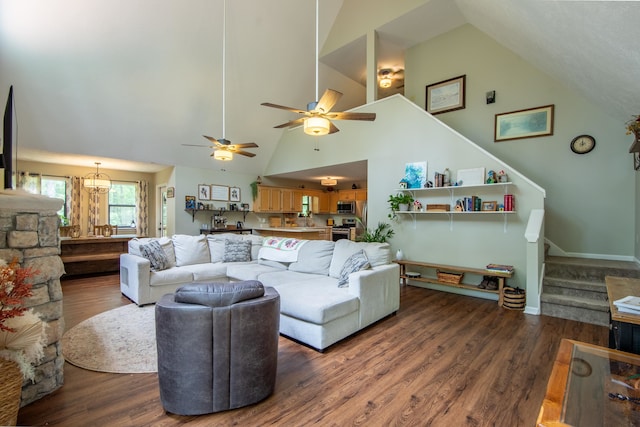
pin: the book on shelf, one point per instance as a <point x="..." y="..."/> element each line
<point x="502" y="268"/>
<point x="628" y="304"/>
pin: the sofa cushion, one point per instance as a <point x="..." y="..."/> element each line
<point x="218" y="294"/>
<point x="155" y="254"/>
<point x="237" y="251"/>
<point x="281" y="249"/>
<point x="165" y="243"/>
<point x="170" y="276"/>
<point x="317" y="301"/>
<point x="314" y="257"/>
<point x="190" y="249"/>
<point x="355" y="262"/>
<point x="245" y="271"/>
<point x="216" y="244"/>
<point x="377" y="254"/>
<point x="256" y="244"/>
<point x="207" y="272"/>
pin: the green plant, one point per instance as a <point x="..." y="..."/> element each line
<point x="64" y="220"/>
<point x="396" y="201"/>
<point x="254" y="190"/>
<point x="381" y="234"/>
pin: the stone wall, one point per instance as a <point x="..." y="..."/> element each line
<point x="29" y="232"/>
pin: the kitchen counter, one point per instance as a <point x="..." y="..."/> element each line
<point x="308" y="233"/>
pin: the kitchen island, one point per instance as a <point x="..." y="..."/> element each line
<point x="303" y="233"/>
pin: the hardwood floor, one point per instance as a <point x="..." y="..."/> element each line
<point x="443" y="360"/>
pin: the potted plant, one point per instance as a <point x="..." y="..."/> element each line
<point x="22" y="337"/>
<point x="399" y="202"/>
<point x="381" y="234"/>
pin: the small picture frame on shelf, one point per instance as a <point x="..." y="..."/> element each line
<point x="189" y="202"/>
<point x="234" y="194"/>
<point x="244" y="206"/>
<point x="204" y="192"/>
<point x="489" y="206"/>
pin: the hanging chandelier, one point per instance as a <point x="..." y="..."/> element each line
<point x="97" y="182"/>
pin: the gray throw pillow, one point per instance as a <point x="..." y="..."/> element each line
<point x="236" y="251"/>
<point x="356" y="262"/>
<point x="155" y="254"/>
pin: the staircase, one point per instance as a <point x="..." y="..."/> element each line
<point x="574" y="288"/>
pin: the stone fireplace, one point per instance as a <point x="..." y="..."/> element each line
<point x="29" y="232"/>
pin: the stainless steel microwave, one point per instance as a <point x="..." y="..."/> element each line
<point x="347" y="207"/>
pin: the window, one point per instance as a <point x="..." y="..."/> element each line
<point x="306" y="205"/>
<point x="55" y="187"/>
<point x="122" y="204"/>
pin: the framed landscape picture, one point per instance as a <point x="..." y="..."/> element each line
<point x="529" y="123"/>
<point x="447" y="95"/>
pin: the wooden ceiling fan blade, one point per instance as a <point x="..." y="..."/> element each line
<point x="333" y="128"/>
<point x="244" y="153"/>
<point x="329" y="98"/>
<point x="282" y="107"/>
<point x="246" y="145"/>
<point x="295" y="122"/>
<point x="215" y="141"/>
<point x="197" y="145"/>
<point x="351" y="116"/>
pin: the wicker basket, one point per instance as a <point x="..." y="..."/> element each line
<point x="513" y="298"/>
<point x="10" y="392"/>
<point x="453" y="278"/>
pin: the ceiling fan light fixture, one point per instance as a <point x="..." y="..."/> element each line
<point x="97" y="182"/>
<point x="385" y="82"/>
<point x="317" y="126"/>
<point x="223" y="155"/>
<point x="330" y="182"/>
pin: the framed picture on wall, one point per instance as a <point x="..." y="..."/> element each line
<point x="447" y="95"/>
<point x="529" y="123"/>
<point x="204" y="192"/>
<point x="220" y="192"/>
<point x="234" y="194"/>
<point x="171" y="192"/>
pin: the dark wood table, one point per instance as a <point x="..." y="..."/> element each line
<point x="625" y="330"/>
<point x="592" y="386"/>
<point x="85" y="255"/>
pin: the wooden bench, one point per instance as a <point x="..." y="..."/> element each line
<point x="85" y="255"/>
<point x="502" y="276"/>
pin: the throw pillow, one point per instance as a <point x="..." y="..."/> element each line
<point x="155" y="254"/>
<point x="235" y="251"/>
<point x="355" y="262"/>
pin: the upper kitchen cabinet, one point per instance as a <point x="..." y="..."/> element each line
<point x="269" y="199"/>
<point x="352" y="195"/>
<point x="291" y="200"/>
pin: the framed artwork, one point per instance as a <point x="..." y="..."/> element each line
<point x="489" y="206"/>
<point x="447" y="95"/>
<point x="529" y="123"/>
<point x="415" y="174"/>
<point x="204" y="192"/>
<point x="234" y="194"/>
<point x="189" y="202"/>
<point x="470" y="176"/>
<point x="171" y="192"/>
<point x="220" y="192"/>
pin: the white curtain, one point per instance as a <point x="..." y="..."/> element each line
<point x="28" y="181"/>
<point x="94" y="211"/>
<point x="74" y="197"/>
<point x="142" y="202"/>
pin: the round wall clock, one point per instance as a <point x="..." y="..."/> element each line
<point x="582" y="144"/>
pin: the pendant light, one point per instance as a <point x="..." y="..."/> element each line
<point x="97" y="182"/>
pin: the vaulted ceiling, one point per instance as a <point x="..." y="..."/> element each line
<point x="134" y="80"/>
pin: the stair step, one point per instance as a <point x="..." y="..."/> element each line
<point x="580" y="314"/>
<point x="574" y="288"/>
<point x="589" y="269"/>
<point x="573" y="301"/>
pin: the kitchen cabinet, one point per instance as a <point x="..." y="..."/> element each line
<point x="361" y="195"/>
<point x="269" y="199"/>
<point x="333" y="202"/>
<point x="291" y="200"/>
<point x="323" y="203"/>
<point x="352" y="195"/>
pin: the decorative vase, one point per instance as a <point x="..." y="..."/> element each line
<point x="10" y="392"/>
<point x="399" y="255"/>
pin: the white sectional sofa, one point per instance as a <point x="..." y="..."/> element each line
<point x="322" y="300"/>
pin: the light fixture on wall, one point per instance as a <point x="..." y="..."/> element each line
<point x="330" y="182"/>
<point x="97" y="182"/>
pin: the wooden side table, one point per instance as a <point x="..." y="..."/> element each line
<point x="625" y="330"/>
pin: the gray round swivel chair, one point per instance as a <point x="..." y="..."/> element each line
<point x="217" y="346"/>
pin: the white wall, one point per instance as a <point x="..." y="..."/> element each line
<point x="590" y="204"/>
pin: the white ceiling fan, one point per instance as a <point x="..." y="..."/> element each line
<point x="318" y="115"/>
<point x="223" y="148"/>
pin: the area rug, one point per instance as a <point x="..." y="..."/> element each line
<point x="122" y="340"/>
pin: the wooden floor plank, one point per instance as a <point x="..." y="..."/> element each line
<point x="443" y="360"/>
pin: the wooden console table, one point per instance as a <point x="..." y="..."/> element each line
<point x="84" y="255"/>
<point x="591" y="386"/>
<point x="502" y="276"/>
